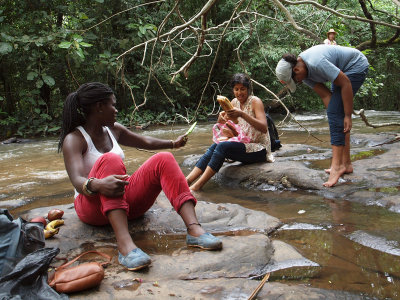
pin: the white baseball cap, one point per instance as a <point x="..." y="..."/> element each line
<point x="284" y="73"/>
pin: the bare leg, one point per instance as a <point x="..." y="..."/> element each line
<point x="208" y="173"/>
<point x="193" y="175"/>
<point x="119" y="223"/>
<point x="196" y="236"/>
<point x="337" y="166"/>
<point x="346" y="159"/>
<point x="346" y="155"/>
<point x="188" y="215"/>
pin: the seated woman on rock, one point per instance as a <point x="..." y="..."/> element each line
<point x="104" y="193"/>
<point x="249" y="110"/>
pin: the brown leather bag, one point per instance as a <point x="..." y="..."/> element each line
<point x="80" y="277"/>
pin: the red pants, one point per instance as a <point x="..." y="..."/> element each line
<point x="159" y="172"/>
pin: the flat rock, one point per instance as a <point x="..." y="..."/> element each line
<point x="188" y="273"/>
<point x="376" y="176"/>
<point x="161" y="218"/>
<point x="220" y="288"/>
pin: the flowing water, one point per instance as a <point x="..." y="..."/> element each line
<point x="356" y="246"/>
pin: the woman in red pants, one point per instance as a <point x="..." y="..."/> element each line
<point x="104" y="193"/>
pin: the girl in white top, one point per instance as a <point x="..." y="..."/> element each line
<point x="92" y="154"/>
<point x="105" y="194"/>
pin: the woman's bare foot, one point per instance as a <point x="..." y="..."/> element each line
<point x="349" y="170"/>
<point x="194" y="188"/>
<point x="334" y="176"/>
<point x="193" y="175"/>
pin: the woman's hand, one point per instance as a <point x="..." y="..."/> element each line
<point x="234" y="113"/>
<point x="232" y="129"/>
<point x="347" y="124"/>
<point x="111" y="186"/>
<point x="222" y="117"/>
<point x="180" y="141"/>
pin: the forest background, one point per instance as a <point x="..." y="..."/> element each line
<point x="167" y="60"/>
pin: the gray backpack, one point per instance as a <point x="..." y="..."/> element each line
<point x="18" y="238"/>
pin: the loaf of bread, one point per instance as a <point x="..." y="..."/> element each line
<point x="226" y="105"/>
<point x="224" y="102"/>
<point x="232" y="129"/>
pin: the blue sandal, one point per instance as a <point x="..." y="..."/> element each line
<point x="135" y="260"/>
<point x="205" y="241"/>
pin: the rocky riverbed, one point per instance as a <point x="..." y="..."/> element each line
<point x="248" y="253"/>
<point x="186" y="273"/>
<point x="376" y="177"/>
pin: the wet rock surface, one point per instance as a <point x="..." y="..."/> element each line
<point x="248" y="254"/>
<point x="375" y="180"/>
<point x="188" y="273"/>
<point x="15" y="140"/>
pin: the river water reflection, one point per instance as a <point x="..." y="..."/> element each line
<point x="357" y="246"/>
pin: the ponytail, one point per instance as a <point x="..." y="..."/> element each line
<point x="77" y="106"/>
<point x="71" y="117"/>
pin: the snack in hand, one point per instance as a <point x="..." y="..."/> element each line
<point x="224" y="102"/>
<point x="226" y="105"/>
<point x="232" y="129"/>
<point x="226" y="132"/>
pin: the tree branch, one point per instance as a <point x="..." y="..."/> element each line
<point x="322" y="7"/>
<point x="204" y="10"/>
<point x="393" y="40"/>
<point x="118" y="13"/>
<point x="161" y="26"/>
<point x="382" y="11"/>
<point x="293" y="22"/>
<point x="397" y="2"/>
<point x="361" y="113"/>
<point x="371" y="25"/>
<point x="186" y="66"/>
<point x="216" y="54"/>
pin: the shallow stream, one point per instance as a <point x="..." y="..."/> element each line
<point x="357" y="246"/>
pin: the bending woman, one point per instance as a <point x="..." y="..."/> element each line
<point x="104" y="193"/>
<point x="346" y="68"/>
<point x="250" y="112"/>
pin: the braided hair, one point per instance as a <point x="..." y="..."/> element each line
<point x="242" y="79"/>
<point x="77" y="106"/>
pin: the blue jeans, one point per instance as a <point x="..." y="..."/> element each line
<point x="335" y="109"/>
<point x="216" y="154"/>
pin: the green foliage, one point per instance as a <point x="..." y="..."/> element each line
<point x="48" y="48"/>
<point x="75" y="45"/>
